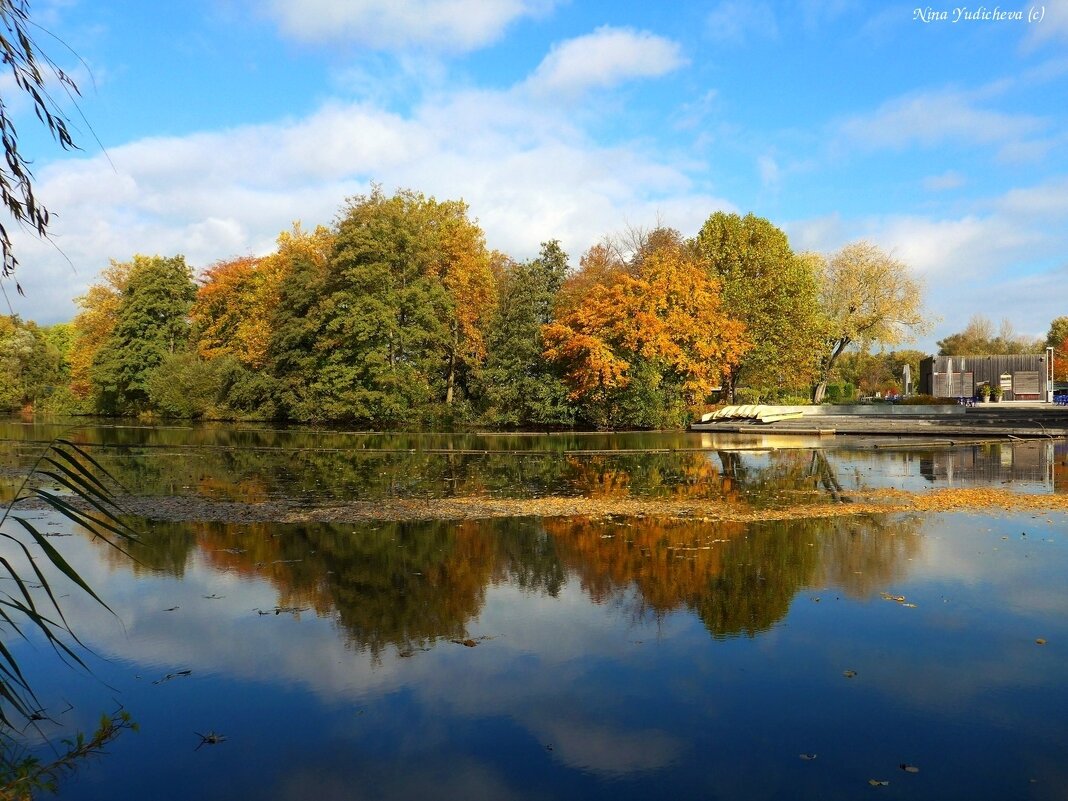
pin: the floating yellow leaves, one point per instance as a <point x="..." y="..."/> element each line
<point x="484" y="506"/>
<point x="1040" y="641"/>
<point x="849" y="673"/>
<point x="878" y="783"/>
<point x="909" y="768"/>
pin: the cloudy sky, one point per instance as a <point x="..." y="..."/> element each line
<point x="211" y="125"/>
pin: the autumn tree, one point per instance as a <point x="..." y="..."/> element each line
<point x="399" y="318"/>
<point x="151" y="322"/>
<point x="221" y="308"/>
<point x="94" y="323"/>
<point x="1058" y="332"/>
<point x="1057" y="338"/>
<point x="774" y="291"/>
<point x="237" y="298"/>
<point x="519" y="385"/>
<point x="979" y="337"/>
<point x="868" y="297"/>
<point x="640" y="349"/>
<point x="462" y="265"/>
<point x="877" y="372"/>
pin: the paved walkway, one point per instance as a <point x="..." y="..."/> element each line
<point x="1011" y="419"/>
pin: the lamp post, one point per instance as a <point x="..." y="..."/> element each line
<point x="1049" y="374"/>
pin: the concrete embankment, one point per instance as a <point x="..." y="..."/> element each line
<point x="1004" y="420"/>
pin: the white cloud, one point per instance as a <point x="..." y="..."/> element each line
<point x="528" y="172"/>
<point x="770" y="173"/>
<point x="1052" y="26"/>
<point x="442" y="25"/>
<point x="933" y="117"/>
<point x="604" y="58"/>
<point x="951" y="179"/>
<point x="736" y="21"/>
<point x="1049" y="200"/>
<point x="1007" y="249"/>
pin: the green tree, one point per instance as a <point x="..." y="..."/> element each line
<point x="878" y="372"/>
<point x="520" y="387"/>
<point x="868" y="297"/>
<point x="398" y="324"/>
<point x="774" y="291"/>
<point x="291" y="355"/>
<point x="151" y="323"/>
<point x="978" y="338"/>
<point x="185" y="385"/>
<point x="1058" y="332"/>
<point x="30" y="367"/>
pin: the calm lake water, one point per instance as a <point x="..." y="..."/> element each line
<point x="527" y="658"/>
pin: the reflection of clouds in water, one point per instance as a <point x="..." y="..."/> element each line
<point x="540" y="664"/>
<point x="969" y="550"/>
<point x="217" y="635"/>
<point x="603" y="749"/>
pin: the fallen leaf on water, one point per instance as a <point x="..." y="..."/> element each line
<point x="808" y="757"/>
<point x="878" y="783"/>
<point x="909" y="606"/>
<point x="1040" y="641"/>
<point x="849" y="673"/>
<point x="909" y="768"/>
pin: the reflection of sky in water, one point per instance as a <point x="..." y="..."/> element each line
<point x="596" y="692"/>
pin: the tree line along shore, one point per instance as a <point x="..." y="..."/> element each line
<point x="400" y="315"/>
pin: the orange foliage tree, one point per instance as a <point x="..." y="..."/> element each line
<point x="667" y="314"/>
<point x="1060" y="361"/>
<point x="95" y="322"/>
<point x="238" y="297"/>
<point x="464" y="266"/>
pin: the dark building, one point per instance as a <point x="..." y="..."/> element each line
<point x="1021" y="377"/>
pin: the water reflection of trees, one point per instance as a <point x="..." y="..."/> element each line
<point x="407" y="585"/>
<point x="323" y="475"/>
<point x="739" y="578"/>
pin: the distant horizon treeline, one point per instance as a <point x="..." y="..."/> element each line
<point x="400" y="315"/>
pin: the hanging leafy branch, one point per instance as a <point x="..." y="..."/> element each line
<point x="31" y="70"/>
<point x="91" y="505"/>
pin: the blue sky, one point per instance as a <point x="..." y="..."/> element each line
<point x="220" y="122"/>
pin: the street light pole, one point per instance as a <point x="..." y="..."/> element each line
<point x="1049" y="374"/>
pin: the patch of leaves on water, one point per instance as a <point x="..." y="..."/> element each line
<point x="283" y="610"/>
<point x="471" y="642"/>
<point x="211" y="738"/>
<point x="175" y="675"/>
